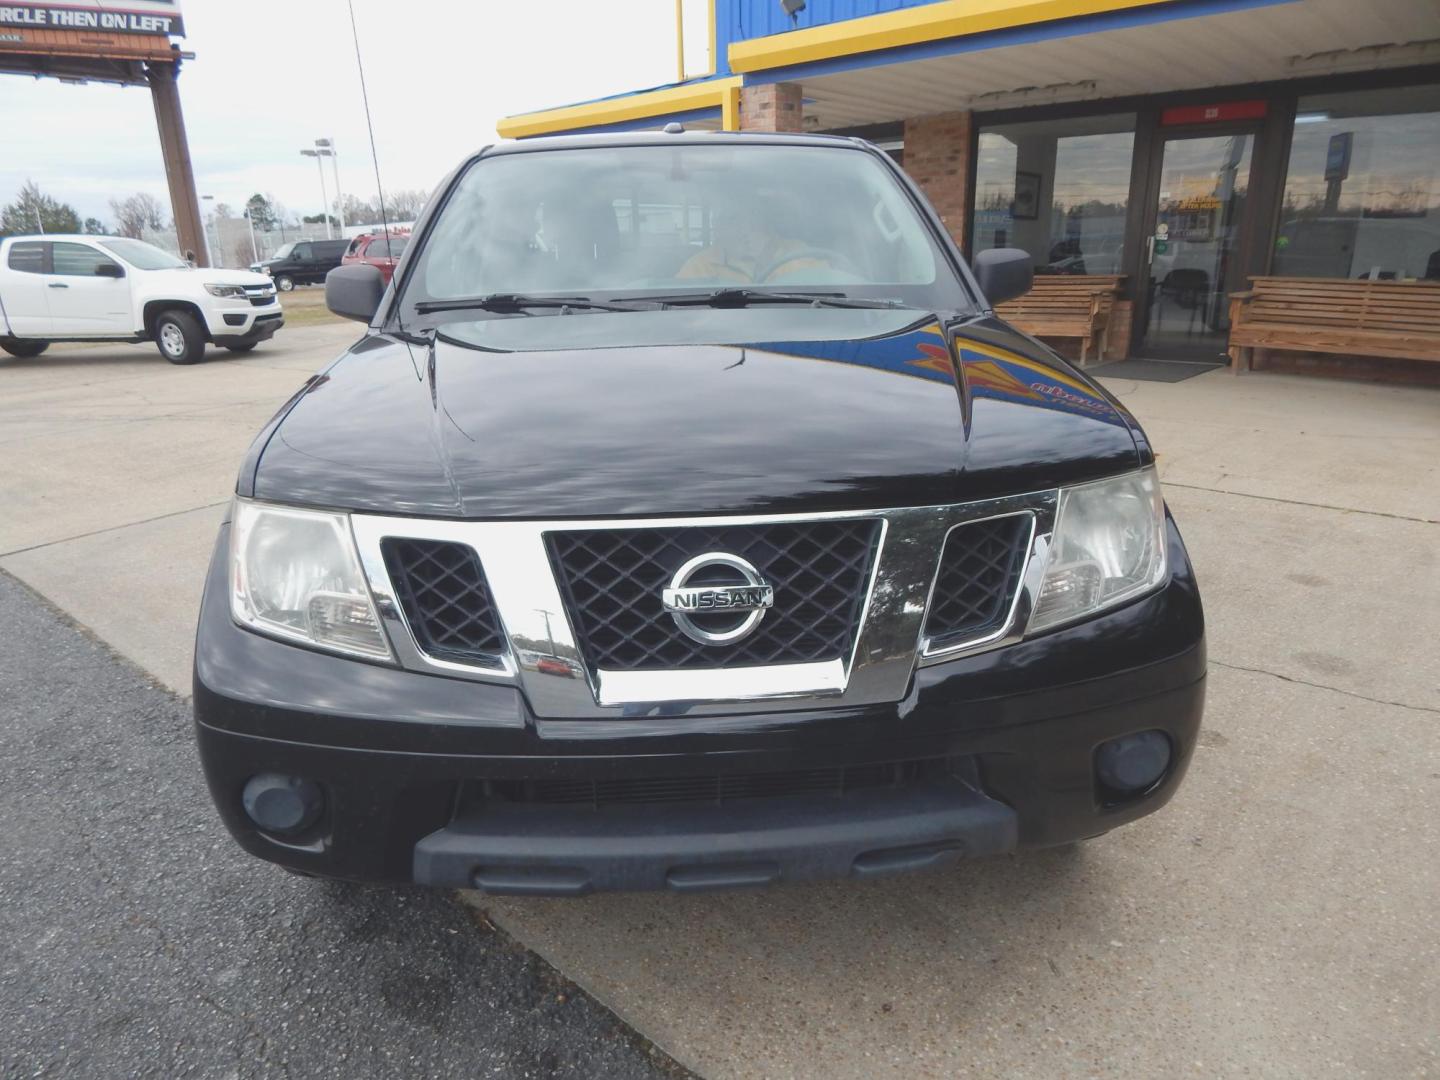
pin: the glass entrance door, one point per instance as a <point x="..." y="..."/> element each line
<point x="1192" y="247"/>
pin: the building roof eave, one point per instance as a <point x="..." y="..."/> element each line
<point x="645" y="105"/>
<point x="909" y="26"/>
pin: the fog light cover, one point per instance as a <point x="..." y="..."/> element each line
<point x="1133" y="763"/>
<point x="282" y="804"/>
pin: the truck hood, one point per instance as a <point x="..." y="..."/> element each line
<point x="894" y="413"/>
<point x="192" y="279"/>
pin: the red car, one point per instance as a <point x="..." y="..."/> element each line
<point x="376" y="250"/>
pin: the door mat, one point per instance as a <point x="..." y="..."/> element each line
<point x="1153" y="370"/>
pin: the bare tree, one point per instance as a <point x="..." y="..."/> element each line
<point x="137" y="213"/>
<point x="361" y="211"/>
<point x="284" y="216"/>
<point x="129" y="218"/>
<point x="406" y="205"/>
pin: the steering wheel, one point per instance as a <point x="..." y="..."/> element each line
<point x="837" y="261"/>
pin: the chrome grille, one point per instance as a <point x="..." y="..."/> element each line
<point x="979" y="573"/>
<point x="548" y="652"/>
<point x="442" y="589"/>
<point x="612" y="581"/>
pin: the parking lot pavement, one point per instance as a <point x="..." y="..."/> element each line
<point x="1275" y="920"/>
<point x="113" y="457"/>
<point x="138" y="941"/>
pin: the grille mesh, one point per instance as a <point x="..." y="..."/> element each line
<point x="979" y="572"/>
<point x="716" y="788"/>
<point x="613" y="580"/>
<point x="442" y="589"/>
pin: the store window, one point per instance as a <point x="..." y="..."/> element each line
<point x="1362" y="194"/>
<point x="1058" y="189"/>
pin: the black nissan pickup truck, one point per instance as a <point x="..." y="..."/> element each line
<point x="685" y="518"/>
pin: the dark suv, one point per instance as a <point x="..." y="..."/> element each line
<point x="302" y="262"/>
<point x="685" y="518"/>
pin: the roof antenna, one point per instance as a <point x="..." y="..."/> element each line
<point x="365" y="97"/>
<point x="374" y="155"/>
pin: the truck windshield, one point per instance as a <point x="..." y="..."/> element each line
<point x="143" y="256"/>
<point x="663" y="221"/>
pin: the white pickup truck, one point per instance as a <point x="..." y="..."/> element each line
<point x="109" y="288"/>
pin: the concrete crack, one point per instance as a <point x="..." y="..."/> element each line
<point x="1300" y="502"/>
<point x="112" y="528"/>
<point x="1323" y="686"/>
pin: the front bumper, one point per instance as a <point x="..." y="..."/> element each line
<point x="242" y="322"/>
<point x="561" y="851"/>
<point x="398" y="756"/>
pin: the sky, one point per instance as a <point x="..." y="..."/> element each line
<point x="269" y="77"/>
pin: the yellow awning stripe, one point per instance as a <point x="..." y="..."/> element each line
<point x="909" y="26"/>
<point x="712" y="94"/>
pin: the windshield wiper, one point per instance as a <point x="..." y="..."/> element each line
<point x="726" y="298"/>
<point x="514" y="303"/>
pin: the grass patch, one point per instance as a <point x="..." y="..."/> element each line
<point x="305" y="306"/>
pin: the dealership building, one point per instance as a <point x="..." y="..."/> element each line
<point x="1180" y="147"/>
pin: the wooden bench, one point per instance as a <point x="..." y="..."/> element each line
<point x="1335" y="315"/>
<point x="1067" y="306"/>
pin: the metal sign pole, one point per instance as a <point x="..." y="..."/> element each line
<point x="324" y="198"/>
<point x="254" y="247"/>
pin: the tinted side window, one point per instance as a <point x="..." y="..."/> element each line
<point x="77" y="260"/>
<point x="301" y="253"/>
<point x="28" y="257"/>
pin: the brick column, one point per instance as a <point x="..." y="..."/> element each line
<point x="773" y="107"/>
<point x="1118" y="337"/>
<point x="937" y="157"/>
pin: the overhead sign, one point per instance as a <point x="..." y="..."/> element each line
<point x="156" y="17"/>
<point x="1213" y="114"/>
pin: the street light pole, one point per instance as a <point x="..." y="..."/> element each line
<point x="324" y="198"/>
<point x="209" y="248"/>
<point x="254" y="247"/>
<point x="327" y="147"/>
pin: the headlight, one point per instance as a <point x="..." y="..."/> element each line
<point x="294" y="574"/>
<point x="236" y="291"/>
<point x="1109" y="547"/>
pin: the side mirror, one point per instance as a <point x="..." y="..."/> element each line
<point x="1003" y="273"/>
<point x="355" y="291"/>
<point x="109" y="269"/>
